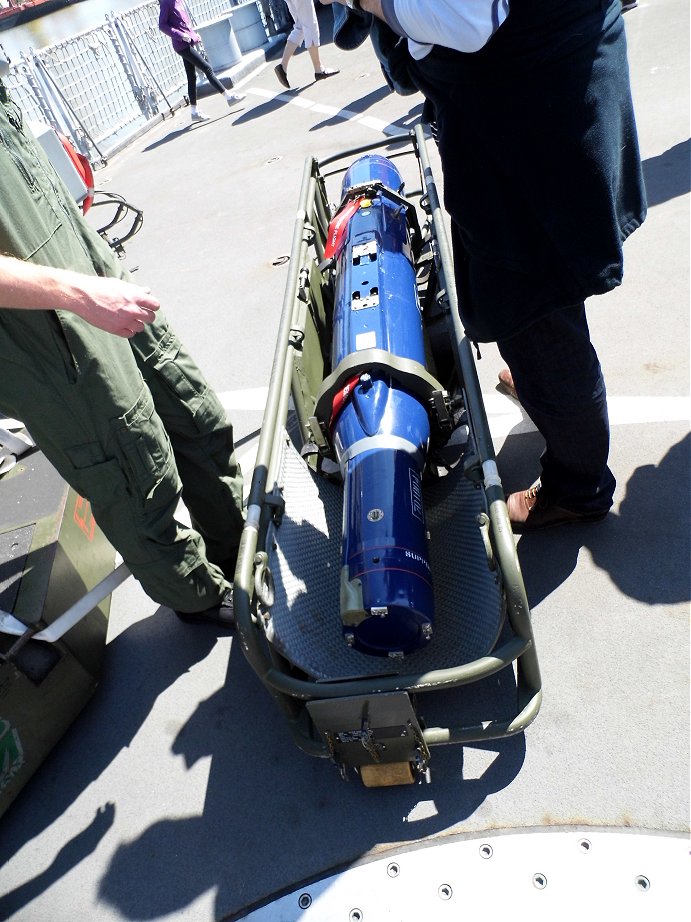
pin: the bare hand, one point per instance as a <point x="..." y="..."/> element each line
<point x="113" y="305"/>
<point x="109" y="303"/>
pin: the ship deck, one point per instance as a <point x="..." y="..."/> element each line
<point x="179" y="793"/>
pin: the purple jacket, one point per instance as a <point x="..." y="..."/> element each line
<point x="174" y="20"/>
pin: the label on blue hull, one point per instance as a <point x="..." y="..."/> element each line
<point x="416" y="495"/>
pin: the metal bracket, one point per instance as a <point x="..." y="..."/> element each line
<point x="472" y="469"/>
<point x="277" y="503"/>
<point x="296" y="338"/>
<point x="318" y="436"/>
<point x="370" y="729"/>
<point x="441" y="410"/>
<point x="303" y="284"/>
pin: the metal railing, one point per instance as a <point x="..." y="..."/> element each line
<point x="105" y="86"/>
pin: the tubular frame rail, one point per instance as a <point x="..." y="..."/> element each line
<point x="292" y="691"/>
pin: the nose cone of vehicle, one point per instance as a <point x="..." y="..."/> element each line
<point x="370" y="168"/>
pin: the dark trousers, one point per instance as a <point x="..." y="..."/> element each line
<point x="193" y="62"/>
<point x="559" y="382"/>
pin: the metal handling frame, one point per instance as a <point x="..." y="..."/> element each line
<point x="370" y="723"/>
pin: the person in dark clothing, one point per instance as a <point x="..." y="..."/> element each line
<point x="543" y="183"/>
<point x="175" y="22"/>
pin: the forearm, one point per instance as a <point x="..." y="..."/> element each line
<point x="111" y="304"/>
<point x="173" y="32"/>
<point x="27" y="286"/>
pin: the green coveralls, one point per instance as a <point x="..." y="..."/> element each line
<point x="130" y="424"/>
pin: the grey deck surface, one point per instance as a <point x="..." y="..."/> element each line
<point x="178" y="793"/>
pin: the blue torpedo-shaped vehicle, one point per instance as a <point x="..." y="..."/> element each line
<point x="380" y="430"/>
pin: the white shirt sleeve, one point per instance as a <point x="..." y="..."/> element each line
<point x="465" y="25"/>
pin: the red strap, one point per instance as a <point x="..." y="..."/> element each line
<point x="334" y="237"/>
<point x="342" y="398"/>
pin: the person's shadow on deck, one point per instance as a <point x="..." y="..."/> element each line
<point x="668" y="175"/>
<point x="274" y="816"/>
<point x="643" y="545"/>
<point x="107" y="725"/>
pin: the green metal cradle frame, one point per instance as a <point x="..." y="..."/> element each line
<point x="298" y="368"/>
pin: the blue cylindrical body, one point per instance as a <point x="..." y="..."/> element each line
<point x="381" y="431"/>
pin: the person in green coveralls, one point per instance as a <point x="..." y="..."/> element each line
<point x="109" y="393"/>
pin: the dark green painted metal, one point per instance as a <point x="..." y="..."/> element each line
<point x="44" y="686"/>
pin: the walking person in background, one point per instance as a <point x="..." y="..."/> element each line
<point x="305" y="30"/>
<point x="174" y="21"/>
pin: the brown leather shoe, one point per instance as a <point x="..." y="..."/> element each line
<point x="506" y="383"/>
<point x="532" y="509"/>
